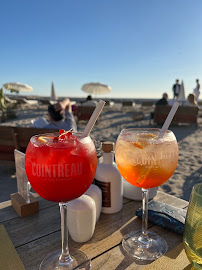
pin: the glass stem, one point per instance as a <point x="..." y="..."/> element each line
<point x="28" y="192"/>
<point x="145" y="197"/>
<point x="65" y="257"/>
<point x="144" y="240"/>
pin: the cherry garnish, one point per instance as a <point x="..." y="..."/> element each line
<point x="68" y="134"/>
<point x="55" y="139"/>
<point x="61" y="131"/>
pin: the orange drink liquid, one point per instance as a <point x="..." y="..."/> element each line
<point x="144" y="160"/>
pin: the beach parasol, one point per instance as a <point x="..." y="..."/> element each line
<point x="53" y="93"/>
<point x="181" y="95"/>
<point x="96" y="88"/>
<point x="17" y="87"/>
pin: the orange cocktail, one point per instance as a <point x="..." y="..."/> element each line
<point x="144" y="160"/>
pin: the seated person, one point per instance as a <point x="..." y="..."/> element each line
<point x="61" y="116"/>
<point x="90" y="102"/>
<point x="161" y="102"/>
<point x="191" y="101"/>
<point x="39" y="123"/>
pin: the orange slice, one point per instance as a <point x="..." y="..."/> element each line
<point x="43" y="139"/>
<point x="142" y="141"/>
<point x="148" y="136"/>
<point x="139" y="145"/>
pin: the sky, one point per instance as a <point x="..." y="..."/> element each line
<point x="139" y="48"/>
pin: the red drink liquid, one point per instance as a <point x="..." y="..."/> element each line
<point x="60" y="171"/>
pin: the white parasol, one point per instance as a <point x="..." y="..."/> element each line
<point x="96" y="88"/>
<point x="17" y="87"/>
<point x="53" y="93"/>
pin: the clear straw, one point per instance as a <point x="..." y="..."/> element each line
<point x="168" y="120"/>
<point x="93" y="119"/>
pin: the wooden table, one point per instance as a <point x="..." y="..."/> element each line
<point x="37" y="235"/>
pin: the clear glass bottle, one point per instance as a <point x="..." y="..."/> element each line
<point x="109" y="180"/>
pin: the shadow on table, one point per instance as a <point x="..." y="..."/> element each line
<point x="189" y="267"/>
<point x="124" y="264"/>
<point x="127" y="261"/>
<point x="176" y="255"/>
<point x="118" y="220"/>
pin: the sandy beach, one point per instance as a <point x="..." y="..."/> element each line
<point x="113" y="120"/>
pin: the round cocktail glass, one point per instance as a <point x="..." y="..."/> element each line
<point x="146" y="162"/>
<point x="61" y="170"/>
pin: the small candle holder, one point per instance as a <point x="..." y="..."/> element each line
<point x="23" y="201"/>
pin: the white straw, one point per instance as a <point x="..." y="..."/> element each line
<point x="93" y="119"/>
<point x="168" y="120"/>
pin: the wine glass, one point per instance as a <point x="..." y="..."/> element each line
<point x="61" y="167"/>
<point x="192" y="236"/>
<point x="145" y="161"/>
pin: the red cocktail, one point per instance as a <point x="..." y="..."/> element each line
<point x="63" y="170"/>
<point x="60" y="168"/>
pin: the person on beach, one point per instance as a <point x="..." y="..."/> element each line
<point x="191" y="100"/>
<point x="197" y="89"/>
<point x="61" y="116"/>
<point x="176" y="89"/>
<point x="161" y="102"/>
<point x="90" y="102"/>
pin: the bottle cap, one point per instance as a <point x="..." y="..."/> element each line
<point x="107" y="147"/>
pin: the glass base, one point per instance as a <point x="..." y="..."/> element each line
<point x="153" y="248"/>
<point x="79" y="261"/>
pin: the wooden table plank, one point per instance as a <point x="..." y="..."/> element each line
<point x="23" y="230"/>
<point x="116" y="258"/>
<point x="7" y="212"/>
<point x="110" y="259"/>
<point x="36" y="236"/>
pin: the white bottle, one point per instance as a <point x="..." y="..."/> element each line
<point x="109" y="180"/>
<point x="81" y="218"/>
<point x="96" y="194"/>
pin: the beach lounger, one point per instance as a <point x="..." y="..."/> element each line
<point x="84" y="112"/>
<point x="127" y="106"/>
<point x="147" y="105"/>
<point x="12" y="138"/>
<point x="9" y="101"/>
<point x="128" y="103"/>
<point x="7" y="143"/>
<point x="30" y="101"/>
<point x="184" y="114"/>
<point x="44" y="101"/>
